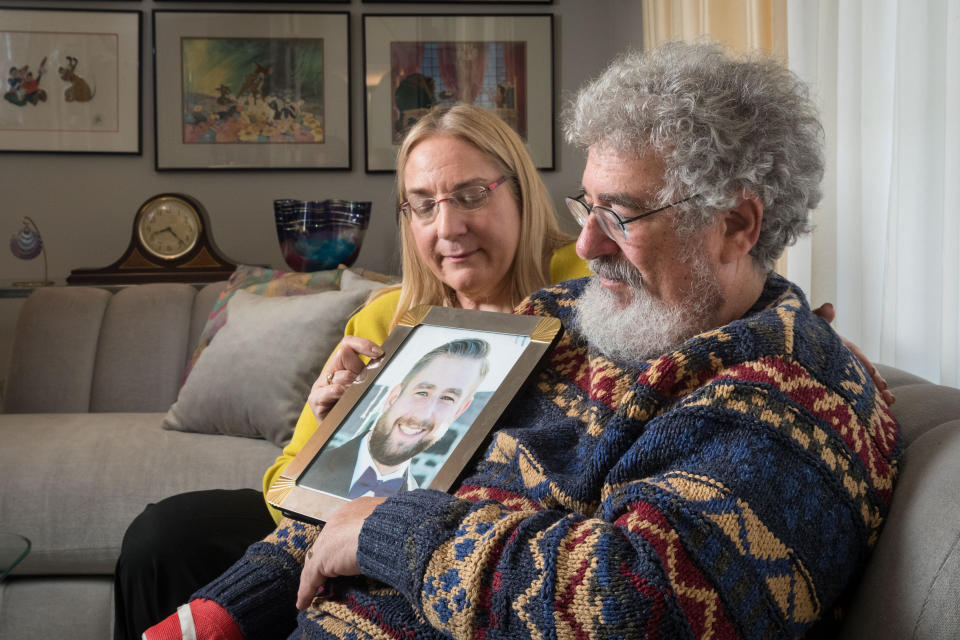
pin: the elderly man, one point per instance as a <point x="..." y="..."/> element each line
<point x="701" y="457"/>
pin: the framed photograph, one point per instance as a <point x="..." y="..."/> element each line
<point x="72" y="81"/>
<point x="251" y="90"/>
<point x="416" y="417"/>
<point x="414" y="62"/>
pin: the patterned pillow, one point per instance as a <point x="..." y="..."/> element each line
<point x="264" y="282"/>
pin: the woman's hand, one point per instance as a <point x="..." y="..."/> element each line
<point x="827" y="312"/>
<point x="341" y="370"/>
<point x="334" y="552"/>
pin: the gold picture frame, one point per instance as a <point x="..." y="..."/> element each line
<point x="326" y="473"/>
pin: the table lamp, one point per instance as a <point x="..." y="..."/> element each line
<point x="27" y="244"/>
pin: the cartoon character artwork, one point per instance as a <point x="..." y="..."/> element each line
<point x="284" y="108"/>
<point x="79" y="90"/>
<point x="253" y="83"/>
<point x="414" y="96"/>
<point x="224" y="92"/>
<point x="23" y="87"/>
<point x="489" y="74"/>
<point x="252" y="90"/>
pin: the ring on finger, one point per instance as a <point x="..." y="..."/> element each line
<point x="330" y="378"/>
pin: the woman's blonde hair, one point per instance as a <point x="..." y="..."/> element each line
<point x="540" y="235"/>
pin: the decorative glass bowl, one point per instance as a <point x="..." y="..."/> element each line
<point x="315" y="236"/>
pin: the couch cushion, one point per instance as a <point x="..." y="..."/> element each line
<point x="143" y="344"/>
<point x="73" y="482"/>
<point x="54" y="350"/>
<point x="911" y="588"/>
<point x="78" y="607"/>
<point x="254" y="377"/>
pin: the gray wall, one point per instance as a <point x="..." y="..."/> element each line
<point x="84" y="204"/>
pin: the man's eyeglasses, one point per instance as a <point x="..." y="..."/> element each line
<point x="614" y="225"/>
<point x="424" y="210"/>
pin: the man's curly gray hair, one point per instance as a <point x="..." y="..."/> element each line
<point x="722" y="125"/>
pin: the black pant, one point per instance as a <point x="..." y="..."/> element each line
<point x="177" y="546"/>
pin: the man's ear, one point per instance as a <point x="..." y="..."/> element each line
<point x="393" y="395"/>
<point x="464" y="407"/>
<point x="741" y="228"/>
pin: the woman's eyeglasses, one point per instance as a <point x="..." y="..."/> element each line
<point x="424" y="210"/>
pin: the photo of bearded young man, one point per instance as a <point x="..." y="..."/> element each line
<point x="413" y="415"/>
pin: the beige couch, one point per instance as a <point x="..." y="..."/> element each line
<point x="92" y="374"/>
<point x="82" y="451"/>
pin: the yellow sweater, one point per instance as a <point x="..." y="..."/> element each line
<point x="373" y="323"/>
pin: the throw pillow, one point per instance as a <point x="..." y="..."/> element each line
<point x="264" y="282"/>
<point x="253" y="378"/>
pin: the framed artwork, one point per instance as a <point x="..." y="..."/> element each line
<point x="416" y="417"/>
<point x="462" y="1"/>
<point x="311" y="1"/>
<point x="71" y="81"/>
<point x="414" y="62"/>
<point x="251" y="90"/>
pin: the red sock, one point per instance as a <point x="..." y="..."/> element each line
<point x="210" y="621"/>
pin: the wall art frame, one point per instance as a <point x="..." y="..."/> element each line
<point x="302" y="1"/>
<point x="231" y="95"/>
<point x="399" y="393"/>
<point x="460" y="1"/>
<point x="502" y="62"/>
<point x="72" y="81"/>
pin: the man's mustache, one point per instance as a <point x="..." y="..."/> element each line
<point x="616" y="269"/>
<point x="415" y="424"/>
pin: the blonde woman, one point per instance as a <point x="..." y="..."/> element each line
<point x="477" y="230"/>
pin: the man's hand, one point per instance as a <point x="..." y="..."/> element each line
<point x="334" y="552"/>
<point x="827" y="312"/>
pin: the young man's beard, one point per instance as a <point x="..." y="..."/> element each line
<point x="645" y="327"/>
<point x="380" y="438"/>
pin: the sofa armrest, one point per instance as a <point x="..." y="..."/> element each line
<point x="898" y="377"/>
<point x="911" y="588"/>
<point x="911" y="585"/>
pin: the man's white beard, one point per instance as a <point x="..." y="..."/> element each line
<point x="646" y="327"/>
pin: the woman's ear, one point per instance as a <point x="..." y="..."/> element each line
<point x="741" y="228"/>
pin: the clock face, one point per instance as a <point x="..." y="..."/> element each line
<point x="168" y="227"/>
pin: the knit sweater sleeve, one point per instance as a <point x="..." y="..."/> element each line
<point x="260" y="590"/>
<point x="721" y="492"/>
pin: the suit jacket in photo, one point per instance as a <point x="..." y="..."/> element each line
<point x="332" y="471"/>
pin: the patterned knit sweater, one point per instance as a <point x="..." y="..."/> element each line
<point x="732" y="488"/>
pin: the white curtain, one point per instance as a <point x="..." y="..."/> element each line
<point x="887" y="76"/>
